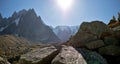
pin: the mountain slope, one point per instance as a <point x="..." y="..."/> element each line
<point x="12" y="46"/>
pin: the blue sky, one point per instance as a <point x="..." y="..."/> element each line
<point x="51" y="14"/>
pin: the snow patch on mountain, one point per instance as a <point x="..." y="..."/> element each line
<point x="17" y="21"/>
<point x="61" y="28"/>
<point x="2" y="28"/>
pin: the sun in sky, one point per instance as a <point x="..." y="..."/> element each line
<point x="65" y="4"/>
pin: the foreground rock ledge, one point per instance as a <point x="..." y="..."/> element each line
<point x="68" y="55"/>
<point x="3" y="61"/>
<point x="39" y="56"/>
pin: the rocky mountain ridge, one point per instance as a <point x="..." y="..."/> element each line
<point x="27" y="24"/>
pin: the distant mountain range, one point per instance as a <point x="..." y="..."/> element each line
<point x="65" y="32"/>
<point x="27" y="24"/>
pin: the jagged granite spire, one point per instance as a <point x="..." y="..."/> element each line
<point x="27" y="24"/>
<point x="14" y="14"/>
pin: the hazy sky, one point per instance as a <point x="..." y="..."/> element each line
<point x="53" y="15"/>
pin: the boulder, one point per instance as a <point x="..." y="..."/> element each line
<point x="81" y="38"/>
<point x="95" y="44"/>
<point x="92" y="57"/>
<point x="88" y="31"/>
<point x="68" y="55"/>
<point x="95" y="27"/>
<point x="110" y="50"/>
<point x="3" y="61"/>
<point x="39" y="56"/>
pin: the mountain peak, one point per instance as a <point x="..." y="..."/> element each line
<point x="14" y="14"/>
<point x="27" y="24"/>
<point x="31" y="10"/>
<point x="24" y="12"/>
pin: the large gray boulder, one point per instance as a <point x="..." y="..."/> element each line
<point x="68" y="55"/>
<point x="88" y="31"/>
<point x="39" y="56"/>
<point x="81" y="38"/>
<point x="95" y="27"/>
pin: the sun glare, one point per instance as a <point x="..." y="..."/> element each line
<point x="65" y="4"/>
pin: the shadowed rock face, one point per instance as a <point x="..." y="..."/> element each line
<point x="68" y="55"/>
<point x="110" y="50"/>
<point x="27" y="24"/>
<point x="92" y="57"/>
<point x="39" y="56"/>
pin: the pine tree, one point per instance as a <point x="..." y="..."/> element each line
<point x="119" y="16"/>
<point x="113" y="20"/>
<point x="0" y="16"/>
